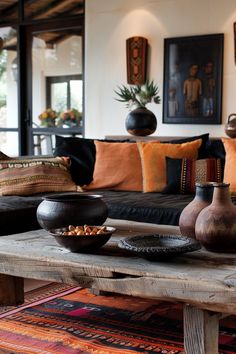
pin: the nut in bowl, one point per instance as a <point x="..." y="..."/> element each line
<point x="84" y="238"/>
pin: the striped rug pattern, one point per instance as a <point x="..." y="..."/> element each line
<point x="72" y="321"/>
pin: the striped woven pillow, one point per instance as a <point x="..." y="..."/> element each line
<point x="182" y="174"/>
<point x="37" y="175"/>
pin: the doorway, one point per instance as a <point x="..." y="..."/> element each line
<point x="56" y="86"/>
<point x="38" y="40"/>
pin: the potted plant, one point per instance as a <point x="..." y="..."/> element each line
<point x="140" y="121"/>
<point x="68" y="119"/>
<point x="48" y="118"/>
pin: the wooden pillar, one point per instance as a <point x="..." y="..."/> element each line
<point x="11" y="290"/>
<point x="201" y="331"/>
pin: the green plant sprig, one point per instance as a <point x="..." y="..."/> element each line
<point x="138" y="95"/>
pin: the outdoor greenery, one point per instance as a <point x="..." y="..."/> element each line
<point x="3" y="62"/>
<point x="138" y="95"/>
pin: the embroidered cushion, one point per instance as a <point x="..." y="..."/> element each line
<point x="38" y="175"/>
<point x="182" y="174"/>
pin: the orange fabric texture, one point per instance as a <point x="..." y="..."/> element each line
<point x="153" y="157"/>
<point x="230" y="163"/>
<point x="21" y="176"/>
<point x="117" y="167"/>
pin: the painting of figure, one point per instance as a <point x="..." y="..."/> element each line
<point x="193" y="70"/>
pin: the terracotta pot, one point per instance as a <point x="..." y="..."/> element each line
<point x="141" y="122"/>
<point x="203" y="198"/>
<point x="64" y="209"/>
<point x="216" y="224"/>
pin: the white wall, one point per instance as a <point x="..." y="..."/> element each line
<point x="110" y="22"/>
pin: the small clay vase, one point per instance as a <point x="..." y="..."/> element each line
<point x="216" y="224"/>
<point x="203" y="198"/>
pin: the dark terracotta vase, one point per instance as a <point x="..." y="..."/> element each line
<point x="141" y="122"/>
<point x="216" y="224"/>
<point x="203" y="198"/>
<point x="64" y="209"/>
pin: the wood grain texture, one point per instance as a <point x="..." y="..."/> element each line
<point x="202" y="280"/>
<point x="199" y="278"/>
<point x="201" y="330"/>
<point x="11" y="290"/>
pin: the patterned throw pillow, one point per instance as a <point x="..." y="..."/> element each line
<point x="182" y="174"/>
<point x="37" y="175"/>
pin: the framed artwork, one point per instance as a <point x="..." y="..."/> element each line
<point x="193" y="70"/>
<point x="235" y="42"/>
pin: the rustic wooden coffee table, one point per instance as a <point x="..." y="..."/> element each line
<point x="204" y="282"/>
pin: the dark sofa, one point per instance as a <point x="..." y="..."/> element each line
<point x="18" y="213"/>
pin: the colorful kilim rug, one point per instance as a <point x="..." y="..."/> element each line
<point x="72" y="321"/>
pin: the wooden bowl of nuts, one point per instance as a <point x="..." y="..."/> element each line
<point x="84" y="238"/>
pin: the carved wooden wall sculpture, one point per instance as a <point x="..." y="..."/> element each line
<point x="235" y="42"/>
<point x="136" y="50"/>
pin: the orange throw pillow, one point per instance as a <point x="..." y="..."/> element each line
<point x="230" y="163"/>
<point x="153" y="158"/>
<point x="117" y="167"/>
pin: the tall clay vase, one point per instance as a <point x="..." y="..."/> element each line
<point x="141" y="122"/>
<point x="216" y="224"/>
<point x="203" y="198"/>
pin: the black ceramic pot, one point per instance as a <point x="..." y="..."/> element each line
<point x="141" y="122"/>
<point x="64" y="209"/>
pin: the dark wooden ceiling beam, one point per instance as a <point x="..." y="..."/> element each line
<point x="9" y="10"/>
<point x="52" y="9"/>
<point x="57" y="38"/>
<point x="74" y="9"/>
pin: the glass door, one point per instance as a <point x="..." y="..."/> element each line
<point x="8" y="91"/>
<point x="57" y="86"/>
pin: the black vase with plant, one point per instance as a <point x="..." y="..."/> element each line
<point x="140" y="121"/>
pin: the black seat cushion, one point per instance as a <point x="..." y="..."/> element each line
<point x="154" y="208"/>
<point x="18" y="214"/>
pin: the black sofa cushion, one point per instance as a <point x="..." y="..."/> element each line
<point x="82" y="153"/>
<point x="215" y="148"/>
<point x="18" y="214"/>
<point x="154" y="208"/>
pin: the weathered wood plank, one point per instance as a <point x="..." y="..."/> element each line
<point x="201" y="331"/>
<point x="11" y="290"/>
<point x="187" y="278"/>
<point x="202" y="279"/>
